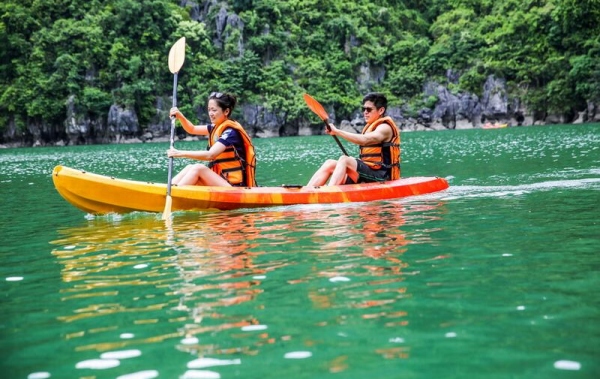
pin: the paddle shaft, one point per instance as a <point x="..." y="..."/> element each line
<point x="170" y="173"/>
<point x="336" y="139"/>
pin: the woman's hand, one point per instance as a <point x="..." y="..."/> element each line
<point x="174" y="153"/>
<point x="175" y="112"/>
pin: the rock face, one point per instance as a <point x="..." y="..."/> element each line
<point x="465" y="110"/>
<point x="450" y="111"/>
<point x="593" y="112"/>
<point x="122" y="123"/>
<point x="259" y="122"/>
<point x="81" y="130"/>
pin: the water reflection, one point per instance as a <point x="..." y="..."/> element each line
<point x="227" y="284"/>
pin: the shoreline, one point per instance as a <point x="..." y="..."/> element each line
<point x="163" y="139"/>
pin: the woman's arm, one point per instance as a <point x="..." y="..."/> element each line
<point x="187" y="125"/>
<point x="200" y="155"/>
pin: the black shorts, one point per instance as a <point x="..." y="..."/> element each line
<point x="367" y="175"/>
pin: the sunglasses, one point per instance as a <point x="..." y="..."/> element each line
<point x="368" y="109"/>
<point x="216" y="95"/>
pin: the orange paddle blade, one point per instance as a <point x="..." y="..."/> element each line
<point x="316" y="107"/>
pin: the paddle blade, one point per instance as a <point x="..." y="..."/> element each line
<point x="177" y="55"/>
<point x="316" y="107"/>
<point x="167" y="211"/>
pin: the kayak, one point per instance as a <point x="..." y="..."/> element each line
<point x="99" y="194"/>
<point x="494" y="126"/>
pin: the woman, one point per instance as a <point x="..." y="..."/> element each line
<point x="379" y="144"/>
<point x="230" y="151"/>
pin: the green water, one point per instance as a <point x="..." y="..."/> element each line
<point x="496" y="277"/>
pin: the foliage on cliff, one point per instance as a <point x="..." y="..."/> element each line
<point x="268" y="52"/>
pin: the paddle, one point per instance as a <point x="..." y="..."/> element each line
<point x="176" y="59"/>
<point x="318" y="109"/>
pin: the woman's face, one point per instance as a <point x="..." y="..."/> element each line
<point x="370" y="112"/>
<point x="215" y="113"/>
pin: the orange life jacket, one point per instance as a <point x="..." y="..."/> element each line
<point x="386" y="154"/>
<point x="229" y="164"/>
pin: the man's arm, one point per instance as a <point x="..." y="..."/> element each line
<point x="381" y="134"/>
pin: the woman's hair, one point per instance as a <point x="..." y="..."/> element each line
<point x="376" y="98"/>
<point x="224" y="100"/>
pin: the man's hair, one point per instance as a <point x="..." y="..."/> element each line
<point x="376" y="98"/>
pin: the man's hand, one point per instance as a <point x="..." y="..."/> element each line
<point x="332" y="130"/>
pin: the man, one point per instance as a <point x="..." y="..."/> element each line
<point x="379" y="144"/>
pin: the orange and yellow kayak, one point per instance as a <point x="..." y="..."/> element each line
<point x="494" y="126"/>
<point x="99" y="194"/>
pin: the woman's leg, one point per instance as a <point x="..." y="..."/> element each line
<point x="346" y="166"/>
<point x="208" y="177"/>
<point x="199" y="174"/>
<point x="323" y="173"/>
<point x="181" y="174"/>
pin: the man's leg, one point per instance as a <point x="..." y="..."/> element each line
<point x="323" y="173"/>
<point x="345" y="166"/>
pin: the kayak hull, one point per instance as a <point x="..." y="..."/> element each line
<point x="99" y="194"/>
<point x="495" y="126"/>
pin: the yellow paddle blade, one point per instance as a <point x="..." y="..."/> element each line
<point x="177" y="55"/>
<point x="316" y="107"/>
<point x="167" y="211"/>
